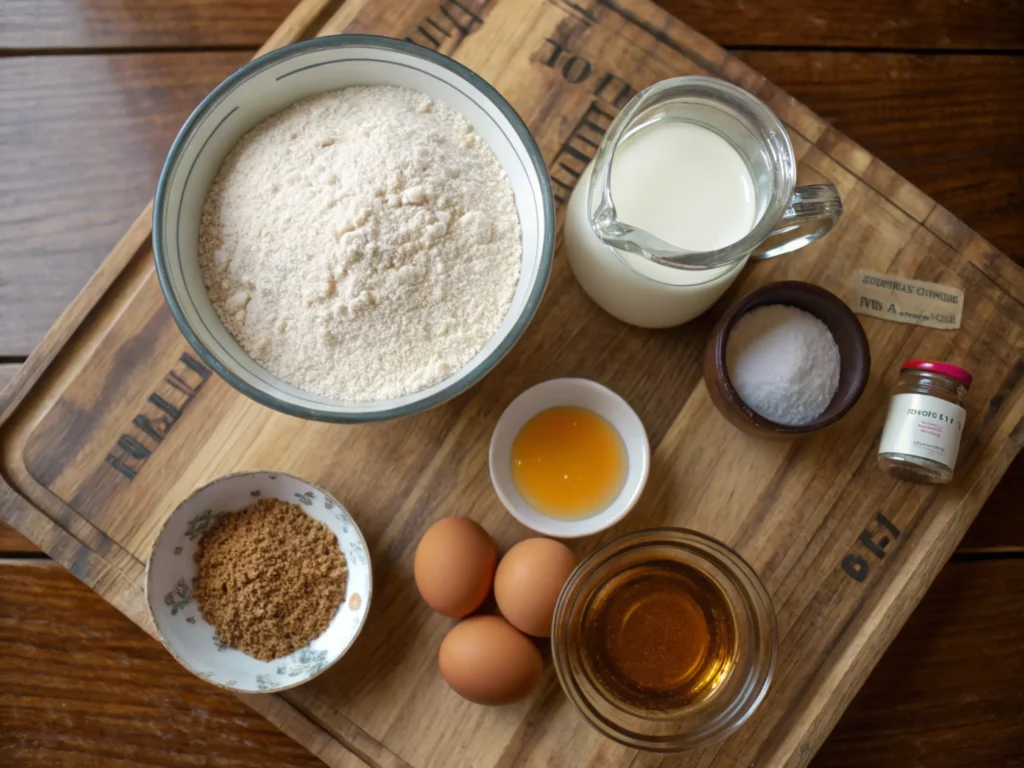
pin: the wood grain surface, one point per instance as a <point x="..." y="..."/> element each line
<point x="952" y="124"/>
<point x="79" y="682"/>
<point x="922" y="24"/>
<point x="913" y="140"/>
<point x="65" y="143"/>
<point x="40" y="25"/>
<point x="942" y="697"/>
<point x="13" y="544"/>
<point x="7" y="371"/>
<point x="1000" y="525"/>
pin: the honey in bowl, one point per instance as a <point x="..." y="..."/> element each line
<point x="664" y="639"/>
<point x="568" y="462"/>
<point x="660" y="636"/>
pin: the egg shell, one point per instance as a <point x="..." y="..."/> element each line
<point x="487" y="661"/>
<point x="529" y="579"/>
<point x="454" y="566"/>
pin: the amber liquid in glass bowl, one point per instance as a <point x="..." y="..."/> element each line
<point x="661" y="636"/>
<point x="664" y="640"/>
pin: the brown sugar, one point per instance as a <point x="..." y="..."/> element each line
<point x="269" y="578"/>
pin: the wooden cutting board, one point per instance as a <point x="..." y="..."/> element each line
<point x="113" y="420"/>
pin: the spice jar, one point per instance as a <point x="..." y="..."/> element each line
<point x="926" y="417"/>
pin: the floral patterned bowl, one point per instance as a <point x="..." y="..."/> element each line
<point x="171" y="569"/>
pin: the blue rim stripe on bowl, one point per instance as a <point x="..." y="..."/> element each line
<point x="253" y="68"/>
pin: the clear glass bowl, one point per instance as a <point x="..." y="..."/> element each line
<point x="732" y="699"/>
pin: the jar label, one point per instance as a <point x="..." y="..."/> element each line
<point x="923" y="426"/>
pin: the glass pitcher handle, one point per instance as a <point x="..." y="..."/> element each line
<point x="815" y="209"/>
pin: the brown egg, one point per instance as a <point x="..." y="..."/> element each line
<point x="484" y="659"/>
<point x="454" y="566"/>
<point x="528" y="581"/>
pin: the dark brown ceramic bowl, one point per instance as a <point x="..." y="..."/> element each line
<point x="854" y="357"/>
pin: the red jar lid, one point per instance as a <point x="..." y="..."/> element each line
<point x="954" y="372"/>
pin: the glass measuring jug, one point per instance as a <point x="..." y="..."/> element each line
<point x="648" y="281"/>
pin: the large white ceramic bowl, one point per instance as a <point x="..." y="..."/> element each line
<point x="274" y="82"/>
<point x="171" y="570"/>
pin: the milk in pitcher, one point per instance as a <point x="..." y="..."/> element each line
<point x="692" y="179"/>
<point x="687" y="186"/>
<point x="684" y="184"/>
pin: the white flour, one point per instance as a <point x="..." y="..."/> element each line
<point x="783" y="363"/>
<point x="362" y="244"/>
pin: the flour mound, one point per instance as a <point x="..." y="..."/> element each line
<point x="361" y="245"/>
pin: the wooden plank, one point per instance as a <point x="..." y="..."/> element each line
<point x="80" y="684"/>
<point x="7" y="371"/>
<point x="13" y="543"/>
<point x="819" y="669"/>
<point x="926" y="24"/>
<point x="909" y="568"/>
<point x="1000" y="525"/>
<point x="83" y="24"/>
<point x="82" y="149"/>
<point x="946" y="694"/>
<point x="931" y="24"/>
<point x="10" y="540"/>
<point x="943" y="695"/>
<point x="950" y="124"/>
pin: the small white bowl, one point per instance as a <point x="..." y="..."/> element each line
<point x="171" y="569"/>
<point x="582" y="393"/>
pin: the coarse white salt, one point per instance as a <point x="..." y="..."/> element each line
<point x="784" y="363"/>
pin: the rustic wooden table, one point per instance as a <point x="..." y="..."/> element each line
<point x="91" y="94"/>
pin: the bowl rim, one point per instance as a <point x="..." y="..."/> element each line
<point x="752" y="300"/>
<point x="579" y="526"/>
<point x="329" y="42"/>
<point x="147" y="592"/>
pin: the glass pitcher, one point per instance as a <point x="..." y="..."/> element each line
<point x="646" y="281"/>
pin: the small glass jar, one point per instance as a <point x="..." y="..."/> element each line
<point x="926" y="417"/>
